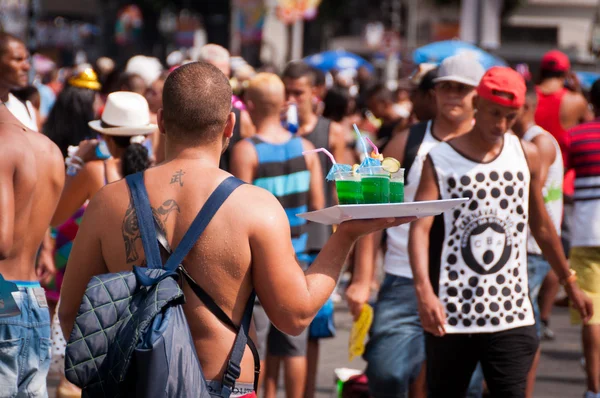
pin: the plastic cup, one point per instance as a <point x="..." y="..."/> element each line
<point x="349" y="189"/>
<point x="397" y="187"/>
<point x="375" y="183"/>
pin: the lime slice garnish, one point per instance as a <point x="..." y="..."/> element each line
<point x="390" y="165"/>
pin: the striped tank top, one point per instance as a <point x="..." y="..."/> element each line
<point x="282" y="171"/>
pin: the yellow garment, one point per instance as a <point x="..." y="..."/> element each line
<point x="360" y="328"/>
<point x="586" y="262"/>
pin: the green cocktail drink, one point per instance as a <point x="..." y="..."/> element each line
<point x="375" y="183"/>
<point x="397" y="187"/>
<point x="349" y="189"/>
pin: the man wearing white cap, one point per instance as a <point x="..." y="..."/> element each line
<point x="396" y="349"/>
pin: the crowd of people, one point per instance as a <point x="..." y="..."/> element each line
<point x="467" y="294"/>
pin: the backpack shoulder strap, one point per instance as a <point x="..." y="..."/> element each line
<point x="415" y="138"/>
<point x="206" y="214"/>
<point x="234" y="369"/>
<point x="145" y="219"/>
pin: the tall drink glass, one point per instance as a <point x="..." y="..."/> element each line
<point x="397" y="187"/>
<point x="375" y="182"/>
<point x="349" y="189"/>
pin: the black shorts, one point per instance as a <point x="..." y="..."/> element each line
<point x="506" y="358"/>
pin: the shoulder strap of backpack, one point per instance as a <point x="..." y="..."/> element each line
<point x="234" y="369"/>
<point x="415" y="138"/>
<point x="145" y="219"/>
<point x="215" y="309"/>
<point x="210" y="208"/>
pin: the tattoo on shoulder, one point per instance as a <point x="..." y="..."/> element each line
<point x="177" y="177"/>
<point x="131" y="230"/>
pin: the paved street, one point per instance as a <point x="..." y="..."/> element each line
<point x="560" y="374"/>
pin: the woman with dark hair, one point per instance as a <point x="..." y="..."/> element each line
<point x="90" y="166"/>
<point x="76" y="105"/>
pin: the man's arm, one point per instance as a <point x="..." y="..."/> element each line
<point x="290" y="297"/>
<point x="546" y="237"/>
<point x="547" y="155"/>
<point x="74" y="195"/>
<point x="85" y="261"/>
<point x="316" y="200"/>
<point x="431" y="310"/>
<point x="247" y="128"/>
<point x="244" y="161"/>
<point x="7" y="200"/>
<point x="357" y="294"/>
<point x="337" y="142"/>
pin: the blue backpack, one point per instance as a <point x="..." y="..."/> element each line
<point x="131" y="337"/>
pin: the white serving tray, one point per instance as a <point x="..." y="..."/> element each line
<point x="341" y="213"/>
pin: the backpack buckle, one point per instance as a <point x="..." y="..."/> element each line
<point x="232" y="373"/>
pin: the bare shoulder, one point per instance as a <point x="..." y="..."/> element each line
<point x="113" y="198"/>
<point x="545" y="144"/>
<point x="575" y="102"/>
<point x="397" y="145"/>
<point x="532" y="154"/>
<point x="307" y="145"/>
<point x="259" y="205"/>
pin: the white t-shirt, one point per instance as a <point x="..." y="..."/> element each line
<point x="396" y="260"/>
<point x="24" y="112"/>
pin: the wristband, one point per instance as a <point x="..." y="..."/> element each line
<point x="569" y="279"/>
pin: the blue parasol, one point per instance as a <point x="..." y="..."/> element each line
<point x="339" y="60"/>
<point x="438" y="51"/>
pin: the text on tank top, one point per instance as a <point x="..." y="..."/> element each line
<point x="481" y="274"/>
<point x="318" y="234"/>
<point x="396" y="260"/>
<point x="552" y="190"/>
<point x="282" y="171"/>
<point x="547" y="116"/>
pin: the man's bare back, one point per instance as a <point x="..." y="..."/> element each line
<point x="32" y="176"/>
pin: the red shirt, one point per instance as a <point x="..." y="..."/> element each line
<point x="584" y="149"/>
<point x="547" y="116"/>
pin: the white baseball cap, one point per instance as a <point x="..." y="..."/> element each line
<point x="461" y="68"/>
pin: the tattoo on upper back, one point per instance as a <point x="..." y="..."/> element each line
<point x="177" y="177"/>
<point x="131" y="228"/>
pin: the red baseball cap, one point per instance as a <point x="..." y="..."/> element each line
<point x="503" y="86"/>
<point x="556" y="61"/>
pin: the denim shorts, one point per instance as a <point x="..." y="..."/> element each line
<point x="25" y="344"/>
<point x="537" y="269"/>
<point x="396" y="349"/>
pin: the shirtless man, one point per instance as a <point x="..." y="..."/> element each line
<point x="246" y="246"/>
<point x="31" y="179"/>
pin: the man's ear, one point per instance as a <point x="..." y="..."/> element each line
<point x="476" y="102"/>
<point x="161" y="122"/>
<point x="228" y="132"/>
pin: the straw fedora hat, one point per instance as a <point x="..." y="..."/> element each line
<point x="125" y="114"/>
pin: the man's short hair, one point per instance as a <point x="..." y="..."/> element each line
<point x="320" y="77"/>
<point x="267" y="93"/>
<point x="595" y="95"/>
<point x="549" y="74"/>
<point x="196" y="103"/>
<point x="427" y="81"/>
<point x="6" y="38"/>
<point x="379" y="92"/>
<point x="297" y="70"/>
<point x="531" y="93"/>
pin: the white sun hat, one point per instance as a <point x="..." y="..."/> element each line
<point x="125" y="114"/>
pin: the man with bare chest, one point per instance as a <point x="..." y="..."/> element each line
<point x="31" y="180"/>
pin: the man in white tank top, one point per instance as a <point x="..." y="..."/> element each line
<point x="470" y="264"/>
<point x="396" y="348"/>
<point x="551" y="174"/>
